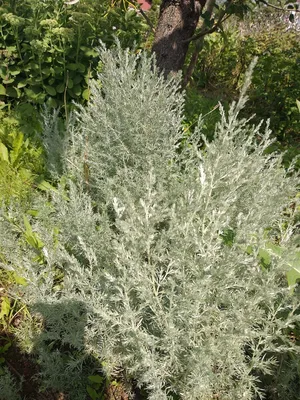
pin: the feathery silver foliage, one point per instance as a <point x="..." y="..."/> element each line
<point x="140" y="235"/>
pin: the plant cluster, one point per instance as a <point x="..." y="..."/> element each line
<point x="160" y="263"/>
<point x="47" y="47"/>
<point x="275" y="84"/>
<point x="21" y="157"/>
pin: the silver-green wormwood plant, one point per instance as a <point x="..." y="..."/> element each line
<point x="139" y="234"/>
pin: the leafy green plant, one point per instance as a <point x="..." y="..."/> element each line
<point x="47" y="49"/>
<point x="21" y="160"/>
<point x="153" y="245"/>
<point x="275" y="84"/>
<point x="96" y="387"/>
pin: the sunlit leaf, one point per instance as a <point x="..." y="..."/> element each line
<point x="3" y="152"/>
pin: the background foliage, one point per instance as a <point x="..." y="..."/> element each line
<point x="48" y="48"/>
<point x="275" y="84"/>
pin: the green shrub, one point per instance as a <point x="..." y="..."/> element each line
<point x="275" y="84"/>
<point x="166" y="253"/>
<point x="21" y="157"/>
<point x="47" y="49"/>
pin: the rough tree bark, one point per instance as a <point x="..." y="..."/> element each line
<point x="177" y="23"/>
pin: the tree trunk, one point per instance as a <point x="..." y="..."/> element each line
<point x="177" y="22"/>
<point x="198" y="46"/>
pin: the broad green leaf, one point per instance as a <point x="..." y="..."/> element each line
<point x="265" y="257"/>
<point x="81" y="67"/>
<point x="46" y="71"/>
<point x="50" y="90"/>
<point x="46" y="186"/>
<point x="71" y="93"/>
<point x="5" y="307"/>
<point x="51" y="102"/>
<point x="249" y="250"/>
<point x="4" y="348"/>
<point x="70" y="83"/>
<point x="22" y="84"/>
<point x="96" y="378"/>
<point x="34" y="241"/>
<point x="34" y="213"/>
<point x="2" y="90"/>
<point x="72" y="66"/>
<point x="89" y="52"/>
<point x="294" y="274"/>
<point x="292" y="277"/>
<point x="277" y="250"/>
<point x="11" y="49"/>
<point x="92" y="393"/>
<point x="30" y="93"/>
<point x="18" y="141"/>
<point x="12" y="92"/>
<point x="28" y="228"/>
<point x="31" y="237"/>
<point x="40" y="98"/>
<point x="298" y="105"/>
<point x="3" y="152"/>
<point x="7" y="81"/>
<point x="16" y="153"/>
<point x="77" y="90"/>
<point x="77" y="78"/>
<point x="20" y="280"/>
<point x="14" y="71"/>
<point x="86" y="94"/>
<point x="60" y="88"/>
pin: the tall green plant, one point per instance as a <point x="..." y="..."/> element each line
<point x="149" y="248"/>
